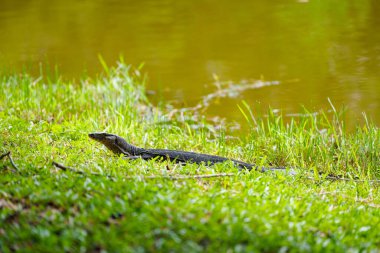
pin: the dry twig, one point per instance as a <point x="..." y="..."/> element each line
<point x="4" y="155"/>
<point x="344" y="179"/>
<point x="10" y="159"/>
<point x="65" y="168"/>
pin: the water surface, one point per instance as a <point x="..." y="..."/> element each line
<point x="332" y="48"/>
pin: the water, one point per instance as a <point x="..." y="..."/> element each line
<point x="316" y="50"/>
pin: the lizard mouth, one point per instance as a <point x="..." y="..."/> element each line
<point x="92" y="135"/>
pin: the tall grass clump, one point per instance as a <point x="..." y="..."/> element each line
<point x="314" y="141"/>
<point x="120" y="92"/>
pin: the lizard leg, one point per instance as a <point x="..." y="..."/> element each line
<point x="134" y="157"/>
<point x="131" y="157"/>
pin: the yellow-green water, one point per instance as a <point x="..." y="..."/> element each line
<point x="315" y="49"/>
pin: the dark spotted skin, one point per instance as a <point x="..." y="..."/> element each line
<point x="119" y="146"/>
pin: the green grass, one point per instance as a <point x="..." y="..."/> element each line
<point x="43" y="209"/>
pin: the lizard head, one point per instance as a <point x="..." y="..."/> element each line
<point x="111" y="141"/>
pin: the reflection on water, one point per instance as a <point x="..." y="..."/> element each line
<point x="331" y="47"/>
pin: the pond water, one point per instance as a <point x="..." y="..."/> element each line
<point x="314" y="50"/>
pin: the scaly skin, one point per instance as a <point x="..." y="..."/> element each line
<point x="119" y="146"/>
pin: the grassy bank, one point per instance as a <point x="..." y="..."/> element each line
<point x="120" y="209"/>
